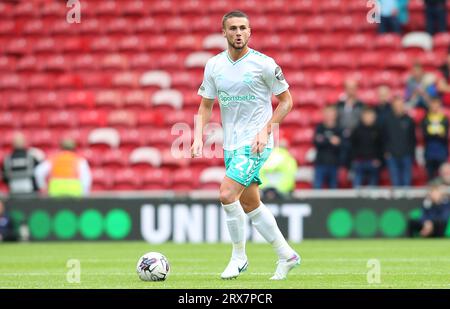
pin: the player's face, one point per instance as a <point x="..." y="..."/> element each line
<point x="237" y="32"/>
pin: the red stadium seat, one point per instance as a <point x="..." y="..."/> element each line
<point x="18" y="101"/>
<point x="125" y="80"/>
<point x="35" y="27"/>
<point x="120" y="25"/>
<point x="94" y="159"/>
<point x="8" y="120"/>
<point x="131" y="138"/>
<point x="109" y="99"/>
<point x="46" y="45"/>
<point x="134" y="8"/>
<point x="7" y="26"/>
<point x="48" y="99"/>
<point x="115" y="158"/>
<point x="360" y="42"/>
<point x="156" y="179"/>
<point x="40" y="81"/>
<point x="85" y="61"/>
<point x="103" y="179"/>
<point x="136" y="99"/>
<point x="80" y="99"/>
<point x="19" y="46"/>
<point x="114" y="62"/>
<point x="26" y="9"/>
<point x="303" y="137"/>
<point x="121" y="118"/>
<point x="91" y="119"/>
<point x="28" y="63"/>
<point x="330" y="42"/>
<point x="61" y="119"/>
<point x="132" y="43"/>
<point x="390" y="42"/>
<point x="104" y="44"/>
<point x="185" y="179"/>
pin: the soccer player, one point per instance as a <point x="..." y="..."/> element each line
<point x="244" y="81"/>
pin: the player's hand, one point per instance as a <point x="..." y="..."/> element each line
<point x="260" y="141"/>
<point x="196" y="148"/>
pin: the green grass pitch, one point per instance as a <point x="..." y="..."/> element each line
<point x="326" y="264"/>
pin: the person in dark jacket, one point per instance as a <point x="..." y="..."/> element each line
<point x="349" y="109"/>
<point x="18" y="168"/>
<point x="383" y="107"/>
<point x="399" y="139"/>
<point x="435" y="133"/>
<point x="436" y="16"/>
<point x="7" y="232"/>
<point x="366" y="150"/>
<point x="435" y="214"/>
<point x="327" y="140"/>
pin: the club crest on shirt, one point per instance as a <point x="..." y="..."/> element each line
<point x="279" y="74"/>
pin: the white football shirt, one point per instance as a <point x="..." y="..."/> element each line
<point x="244" y="90"/>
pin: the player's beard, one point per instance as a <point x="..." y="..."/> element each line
<point x="232" y="44"/>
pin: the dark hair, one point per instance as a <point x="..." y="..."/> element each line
<point x="436" y="98"/>
<point x="231" y="15"/>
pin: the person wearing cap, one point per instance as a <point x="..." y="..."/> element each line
<point x="19" y="166"/>
<point x="68" y="173"/>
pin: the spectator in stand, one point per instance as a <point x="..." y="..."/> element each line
<point x="444" y="82"/>
<point x="18" y="168"/>
<point x="389" y="11"/>
<point x="403" y="13"/>
<point x="69" y="174"/>
<point x="435" y="133"/>
<point x="367" y="150"/>
<point x="399" y="140"/>
<point x="7" y="232"/>
<point x="327" y="140"/>
<point x="444" y="173"/>
<point x="419" y="87"/>
<point x="349" y="110"/>
<point x="383" y="108"/>
<point x="278" y="173"/>
<point x="435" y="213"/>
<point x="436" y="16"/>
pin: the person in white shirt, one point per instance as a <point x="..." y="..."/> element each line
<point x="244" y="80"/>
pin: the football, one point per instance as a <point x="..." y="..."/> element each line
<point x="153" y="266"/>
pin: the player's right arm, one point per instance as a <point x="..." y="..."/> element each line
<point x="201" y="120"/>
<point x="208" y="93"/>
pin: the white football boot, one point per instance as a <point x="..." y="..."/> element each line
<point x="234" y="268"/>
<point x="284" y="266"/>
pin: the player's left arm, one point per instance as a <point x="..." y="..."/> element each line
<point x="283" y="108"/>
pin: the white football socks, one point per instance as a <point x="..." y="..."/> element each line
<point x="236" y="227"/>
<point x="265" y="223"/>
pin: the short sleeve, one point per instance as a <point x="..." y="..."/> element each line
<point x="208" y="88"/>
<point x="274" y="78"/>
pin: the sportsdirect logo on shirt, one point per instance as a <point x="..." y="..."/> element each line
<point x="225" y="99"/>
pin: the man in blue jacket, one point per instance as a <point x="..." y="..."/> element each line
<point x="435" y="213"/>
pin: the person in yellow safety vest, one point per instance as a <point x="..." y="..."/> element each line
<point x="278" y="173"/>
<point x="69" y="174"/>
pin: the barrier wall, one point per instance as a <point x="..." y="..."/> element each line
<point x="186" y="220"/>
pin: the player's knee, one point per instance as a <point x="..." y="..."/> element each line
<point x="227" y="196"/>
